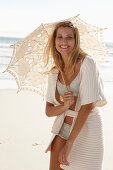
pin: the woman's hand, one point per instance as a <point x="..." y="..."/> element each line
<point x="64" y="154"/>
<point x="68" y="99"/>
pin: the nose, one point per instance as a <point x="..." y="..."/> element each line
<point x="64" y="40"/>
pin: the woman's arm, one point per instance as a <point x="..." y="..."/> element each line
<point x="52" y="110"/>
<point x="81" y="118"/>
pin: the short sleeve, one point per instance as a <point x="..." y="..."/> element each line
<point x="49" y="96"/>
<point x="91" y="86"/>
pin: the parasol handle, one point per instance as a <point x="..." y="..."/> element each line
<point x="71" y="102"/>
<point x="64" y="81"/>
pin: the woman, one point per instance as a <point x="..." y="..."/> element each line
<point x="76" y="142"/>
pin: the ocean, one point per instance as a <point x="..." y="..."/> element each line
<point x="6" y="50"/>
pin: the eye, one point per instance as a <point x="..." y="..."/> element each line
<point x="59" y="37"/>
<point x="69" y="38"/>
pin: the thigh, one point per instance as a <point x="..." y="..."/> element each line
<point x="57" y="144"/>
<point x="56" y="147"/>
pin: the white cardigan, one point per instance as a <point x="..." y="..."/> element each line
<point x="91" y="90"/>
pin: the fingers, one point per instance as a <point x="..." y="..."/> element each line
<point x="62" y="160"/>
<point x="65" y="162"/>
<point x="69" y="100"/>
<point x="68" y="95"/>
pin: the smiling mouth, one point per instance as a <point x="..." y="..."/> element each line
<point x="64" y="47"/>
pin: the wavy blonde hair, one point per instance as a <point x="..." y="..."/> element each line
<point x="76" y="54"/>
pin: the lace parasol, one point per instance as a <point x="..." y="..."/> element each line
<point x="27" y="64"/>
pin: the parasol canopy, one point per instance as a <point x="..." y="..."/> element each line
<point x="27" y="64"/>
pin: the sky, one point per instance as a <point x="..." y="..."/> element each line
<point x="19" y="18"/>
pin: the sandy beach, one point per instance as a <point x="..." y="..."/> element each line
<point x="25" y="130"/>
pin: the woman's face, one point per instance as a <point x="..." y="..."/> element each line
<point x="65" y="40"/>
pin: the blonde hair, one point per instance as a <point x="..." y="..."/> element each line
<point x="75" y="56"/>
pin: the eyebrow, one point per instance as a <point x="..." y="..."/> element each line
<point x="67" y="34"/>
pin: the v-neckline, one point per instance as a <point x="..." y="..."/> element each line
<point x="55" y="92"/>
<point x="76" y="75"/>
<point x="57" y="80"/>
<point x="71" y="81"/>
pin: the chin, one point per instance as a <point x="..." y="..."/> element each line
<point x="66" y="53"/>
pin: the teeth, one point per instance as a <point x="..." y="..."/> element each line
<point x="64" y="46"/>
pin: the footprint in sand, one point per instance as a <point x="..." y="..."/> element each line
<point x="35" y="144"/>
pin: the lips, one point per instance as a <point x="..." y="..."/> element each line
<point x="64" y="47"/>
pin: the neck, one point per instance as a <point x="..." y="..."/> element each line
<point x="68" y="70"/>
<point x="65" y="58"/>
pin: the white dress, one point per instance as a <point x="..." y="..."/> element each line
<point x="87" y="150"/>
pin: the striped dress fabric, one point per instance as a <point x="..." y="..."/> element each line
<point x="87" y="150"/>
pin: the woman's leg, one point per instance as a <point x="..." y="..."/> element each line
<point x="56" y="147"/>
